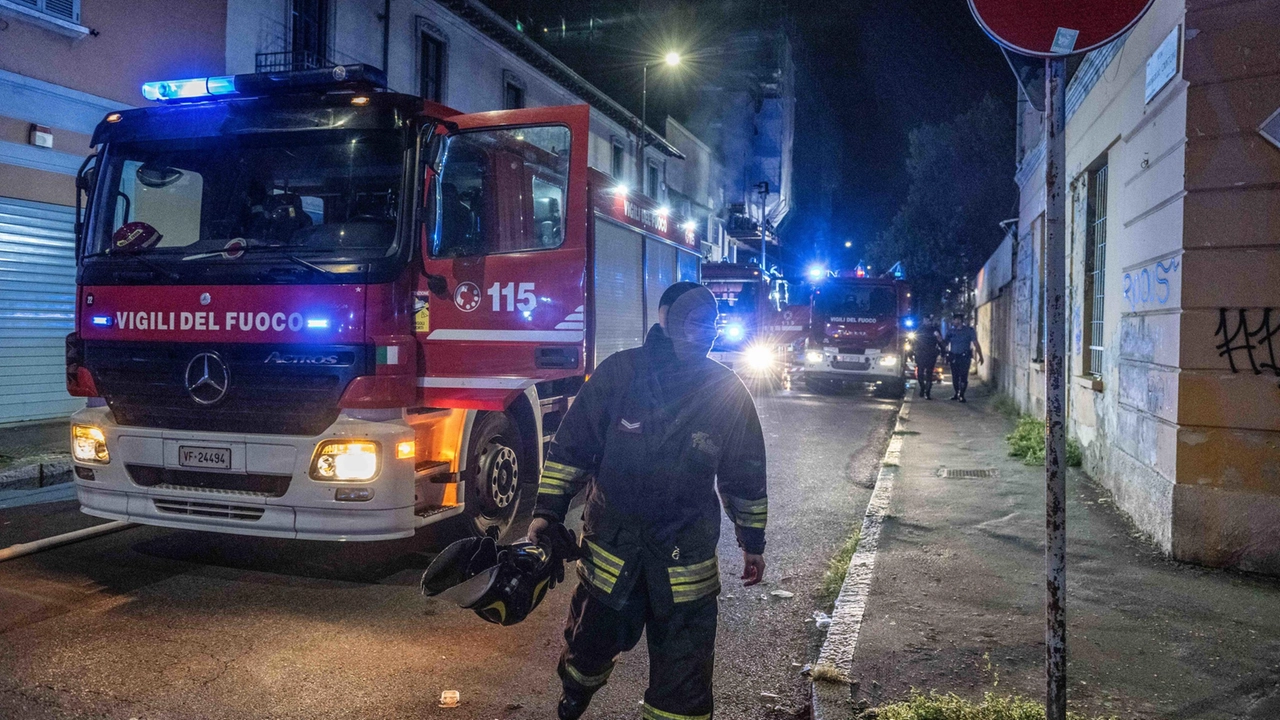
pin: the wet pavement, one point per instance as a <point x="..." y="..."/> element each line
<point x="155" y="623"/>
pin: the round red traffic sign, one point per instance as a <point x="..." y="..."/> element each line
<point x="1053" y="28"/>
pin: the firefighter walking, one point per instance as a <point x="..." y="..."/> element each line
<point x="652" y="436"/>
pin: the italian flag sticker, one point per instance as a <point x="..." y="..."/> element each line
<point x="388" y="355"/>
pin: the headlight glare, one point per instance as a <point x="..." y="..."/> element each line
<point x="813" y="356"/>
<point x="888" y="359"/>
<point x="89" y="444"/>
<point x="759" y="358"/>
<point x="345" y="460"/>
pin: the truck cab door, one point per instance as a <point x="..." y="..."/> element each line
<point x="509" y="239"/>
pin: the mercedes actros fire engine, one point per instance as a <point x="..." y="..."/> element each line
<point x="858" y="333"/>
<point x="757" y="326"/>
<point x="312" y="308"/>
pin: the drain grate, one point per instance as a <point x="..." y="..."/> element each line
<point x="958" y="473"/>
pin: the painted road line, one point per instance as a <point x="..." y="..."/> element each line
<point x="17" y="551"/>
<point x="846" y="619"/>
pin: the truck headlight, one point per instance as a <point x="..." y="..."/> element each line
<point x="813" y="356"/>
<point x="343" y="460"/>
<point x="759" y="358"/>
<point x="89" y="444"/>
<point x="888" y="360"/>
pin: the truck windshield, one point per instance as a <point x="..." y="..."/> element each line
<point x="735" y="298"/>
<point x="238" y="201"/>
<point x="853" y="302"/>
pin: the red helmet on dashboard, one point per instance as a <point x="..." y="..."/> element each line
<point x="135" y="236"/>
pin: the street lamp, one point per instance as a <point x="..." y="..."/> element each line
<point x="671" y="59"/>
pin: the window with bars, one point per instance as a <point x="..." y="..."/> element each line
<point x="309" y="34"/>
<point x="1095" y="268"/>
<point x="432" y="67"/>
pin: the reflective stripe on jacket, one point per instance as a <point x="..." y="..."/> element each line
<point x="652" y="440"/>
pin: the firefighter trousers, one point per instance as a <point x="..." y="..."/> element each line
<point x="960" y="373"/>
<point x="925" y="365"/>
<point x="681" y="643"/>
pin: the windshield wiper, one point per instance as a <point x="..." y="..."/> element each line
<point x="256" y="248"/>
<point x="132" y="256"/>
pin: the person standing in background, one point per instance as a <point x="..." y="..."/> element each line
<point x="928" y="345"/>
<point x="962" y="342"/>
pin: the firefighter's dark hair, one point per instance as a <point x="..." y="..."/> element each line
<point x="670" y="295"/>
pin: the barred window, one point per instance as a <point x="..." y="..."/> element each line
<point x="1095" y="267"/>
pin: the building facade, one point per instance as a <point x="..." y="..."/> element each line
<point x="64" y="64"/>
<point x="1173" y="233"/>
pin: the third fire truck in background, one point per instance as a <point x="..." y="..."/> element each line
<point x="858" y="332"/>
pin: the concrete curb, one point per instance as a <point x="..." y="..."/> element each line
<point x="53" y="469"/>
<point x="831" y="700"/>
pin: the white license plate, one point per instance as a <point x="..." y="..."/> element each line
<point x="204" y="457"/>
<point x="852" y="358"/>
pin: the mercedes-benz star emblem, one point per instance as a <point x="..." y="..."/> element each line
<point x="207" y="378"/>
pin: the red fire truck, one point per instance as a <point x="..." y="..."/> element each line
<point x="757" y="327"/>
<point x="858" y="333"/>
<point x="312" y="308"/>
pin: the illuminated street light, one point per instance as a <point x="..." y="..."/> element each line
<point x="848" y="243"/>
<point x="672" y="59"/>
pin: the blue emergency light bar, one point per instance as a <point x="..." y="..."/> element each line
<point x="190" y="88"/>
<point x="342" y="76"/>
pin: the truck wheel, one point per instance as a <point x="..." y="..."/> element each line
<point x="493" y="475"/>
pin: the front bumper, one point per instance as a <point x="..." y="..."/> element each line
<point x="307" y="509"/>
<point x="853" y="369"/>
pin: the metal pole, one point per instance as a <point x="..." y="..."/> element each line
<point x="644" y="129"/>
<point x="1055" y="442"/>
<point x="764" y="241"/>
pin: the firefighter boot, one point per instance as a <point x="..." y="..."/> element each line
<point x="572" y="704"/>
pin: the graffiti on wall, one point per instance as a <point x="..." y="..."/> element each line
<point x="1254" y="345"/>
<point x="1149" y="287"/>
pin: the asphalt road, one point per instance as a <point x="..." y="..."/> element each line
<point x="153" y="623"/>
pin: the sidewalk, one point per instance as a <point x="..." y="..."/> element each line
<point x="957" y="597"/>
<point x="34" y="455"/>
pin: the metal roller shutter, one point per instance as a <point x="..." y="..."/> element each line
<point x="37" y="309"/>
<point x="659" y="273"/>
<point x="619" y="289"/>
<point x="690" y="267"/>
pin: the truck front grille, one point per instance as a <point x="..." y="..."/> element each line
<point x="249" y="483"/>
<point x="196" y="508"/>
<point x="271" y="389"/>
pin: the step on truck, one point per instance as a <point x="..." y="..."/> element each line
<point x="311" y="308"/>
<point x="858" y="333"/>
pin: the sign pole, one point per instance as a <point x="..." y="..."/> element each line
<point x="1055" y="442"/>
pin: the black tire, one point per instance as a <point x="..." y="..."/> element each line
<point x="494" y="463"/>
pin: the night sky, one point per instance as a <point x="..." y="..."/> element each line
<point x="867" y="72"/>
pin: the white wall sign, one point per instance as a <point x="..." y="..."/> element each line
<point x="1163" y="64"/>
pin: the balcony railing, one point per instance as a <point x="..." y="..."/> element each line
<point x="266" y="62"/>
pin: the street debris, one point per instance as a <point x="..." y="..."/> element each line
<point x="450" y="698"/>
<point x="826" y="672"/>
<point x="784" y="594"/>
<point x="821" y="620"/>
<point x="769" y="698"/>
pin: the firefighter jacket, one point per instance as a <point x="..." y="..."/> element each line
<point x="651" y="439"/>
